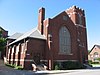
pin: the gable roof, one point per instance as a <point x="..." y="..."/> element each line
<point x="34" y="33"/>
<point x="1" y="29"/>
<point x="15" y="36"/>
<point x="98" y="46"/>
<point x="93" y="48"/>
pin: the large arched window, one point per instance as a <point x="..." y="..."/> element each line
<point x="64" y="41"/>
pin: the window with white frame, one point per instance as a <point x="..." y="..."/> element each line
<point x="64" y="41"/>
<point x="96" y="56"/>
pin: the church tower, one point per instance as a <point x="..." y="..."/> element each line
<point x="77" y="15"/>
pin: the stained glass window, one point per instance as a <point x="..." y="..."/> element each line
<point x="64" y="41"/>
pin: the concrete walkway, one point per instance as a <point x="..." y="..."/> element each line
<point x="3" y="67"/>
<point x="5" y="70"/>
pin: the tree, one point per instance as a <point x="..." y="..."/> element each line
<point x="2" y="42"/>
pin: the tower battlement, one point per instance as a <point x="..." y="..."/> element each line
<point x="75" y="9"/>
<point x="77" y="15"/>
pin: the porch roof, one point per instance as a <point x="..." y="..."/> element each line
<point x="34" y="33"/>
<point x="15" y="36"/>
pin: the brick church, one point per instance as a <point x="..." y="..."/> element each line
<point x="58" y="39"/>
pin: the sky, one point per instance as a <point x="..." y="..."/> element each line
<point x="22" y="15"/>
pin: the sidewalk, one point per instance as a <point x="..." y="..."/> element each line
<point x="5" y="70"/>
<point x="3" y="66"/>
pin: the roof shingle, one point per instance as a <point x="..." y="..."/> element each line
<point x="34" y="33"/>
<point x="15" y="36"/>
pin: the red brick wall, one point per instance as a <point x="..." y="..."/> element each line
<point x="77" y="31"/>
<point x="34" y="46"/>
<point x="54" y="25"/>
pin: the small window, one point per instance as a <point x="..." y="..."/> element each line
<point x="65" y="18"/>
<point x="80" y="19"/>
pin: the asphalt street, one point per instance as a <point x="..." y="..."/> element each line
<point x="4" y="70"/>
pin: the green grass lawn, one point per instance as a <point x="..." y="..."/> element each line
<point x="95" y="65"/>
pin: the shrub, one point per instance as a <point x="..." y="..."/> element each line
<point x="95" y="63"/>
<point x="14" y="66"/>
<point x="10" y="65"/>
<point x="98" y="59"/>
<point x="72" y="65"/>
<point x="56" y="67"/>
<point x="89" y="61"/>
<point x="18" y="67"/>
<point x="68" y="65"/>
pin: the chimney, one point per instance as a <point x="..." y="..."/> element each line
<point x="41" y="17"/>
